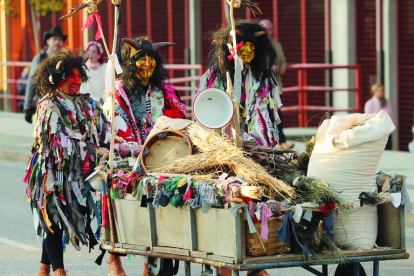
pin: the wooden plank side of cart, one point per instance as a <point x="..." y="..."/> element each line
<point x="217" y="238"/>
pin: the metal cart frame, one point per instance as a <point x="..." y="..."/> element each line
<point x="391" y="236"/>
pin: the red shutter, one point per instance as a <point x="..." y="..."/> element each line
<point x="159" y="21"/>
<point x="210" y="21"/>
<point x="405" y="71"/>
<point x="289" y="29"/>
<point x="178" y="13"/>
<point x="138" y="17"/>
<point x="366" y="54"/>
<point x="315" y="53"/>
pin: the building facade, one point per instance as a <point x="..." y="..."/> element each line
<point x="376" y="34"/>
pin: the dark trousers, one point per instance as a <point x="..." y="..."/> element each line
<point x="52" y="248"/>
<point x="388" y="146"/>
<point x="282" y="137"/>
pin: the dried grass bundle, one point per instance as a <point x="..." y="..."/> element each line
<point x="195" y="164"/>
<point x="251" y="191"/>
<point x="220" y="153"/>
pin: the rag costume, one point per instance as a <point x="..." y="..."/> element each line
<point x="69" y="130"/>
<point x="141" y="97"/>
<point x="260" y="96"/>
<point x="137" y="107"/>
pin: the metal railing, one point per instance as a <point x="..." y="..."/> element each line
<point x="187" y="87"/>
<point x="12" y="82"/>
<point x="303" y="89"/>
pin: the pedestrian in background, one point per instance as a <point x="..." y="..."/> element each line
<point x="279" y="68"/>
<point x="21" y="87"/>
<point x="377" y="103"/>
<point x="53" y="40"/>
<point x="96" y="73"/>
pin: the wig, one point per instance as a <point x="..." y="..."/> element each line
<point x="246" y="31"/>
<point x="130" y="80"/>
<point x="47" y="76"/>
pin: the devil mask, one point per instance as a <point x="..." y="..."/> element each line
<point x="62" y="71"/>
<point x="253" y="47"/>
<point x="143" y="56"/>
<point x="143" y="64"/>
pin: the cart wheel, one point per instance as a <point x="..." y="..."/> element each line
<point x="162" y="267"/>
<point x="347" y="270"/>
<point x="207" y="272"/>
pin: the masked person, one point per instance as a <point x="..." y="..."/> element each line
<point x="70" y="130"/>
<point x="141" y="96"/>
<point x="260" y="96"/>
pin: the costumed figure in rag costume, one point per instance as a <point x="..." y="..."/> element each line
<point x="141" y="97"/>
<point x="69" y="134"/>
<point x="260" y="96"/>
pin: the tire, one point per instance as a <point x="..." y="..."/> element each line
<point x="347" y="270"/>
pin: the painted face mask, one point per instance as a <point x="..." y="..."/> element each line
<point x="71" y="85"/>
<point x="146" y="66"/>
<point x="247" y="52"/>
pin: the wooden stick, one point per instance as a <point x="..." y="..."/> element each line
<point x="74" y="10"/>
<point x="233" y="28"/>
<point x="112" y="144"/>
<point x="111" y="223"/>
<point x="261" y="241"/>
<point x="235" y="123"/>
<point x="236" y="114"/>
<point x="103" y="39"/>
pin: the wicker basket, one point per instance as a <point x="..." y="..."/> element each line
<point x="272" y="244"/>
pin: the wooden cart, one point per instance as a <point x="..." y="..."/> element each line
<point x="217" y="239"/>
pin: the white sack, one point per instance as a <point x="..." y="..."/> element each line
<point x="346" y="157"/>
<point x="346" y="154"/>
<point x="367" y="128"/>
<point x="358" y="230"/>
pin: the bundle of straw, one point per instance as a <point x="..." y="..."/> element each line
<point x="219" y="152"/>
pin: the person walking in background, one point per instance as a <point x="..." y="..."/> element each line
<point x="377" y="103"/>
<point x="96" y="73"/>
<point x="53" y="40"/>
<point x="279" y="68"/>
<point x="280" y="64"/>
<point x="21" y="87"/>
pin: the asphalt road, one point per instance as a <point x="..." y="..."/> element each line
<point x="20" y="250"/>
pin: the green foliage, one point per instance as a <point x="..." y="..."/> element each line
<point x="45" y="7"/>
<point x="8" y="8"/>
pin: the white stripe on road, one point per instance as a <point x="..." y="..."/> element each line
<point x="18" y="245"/>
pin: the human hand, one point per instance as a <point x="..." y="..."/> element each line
<point x="28" y="114"/>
